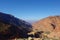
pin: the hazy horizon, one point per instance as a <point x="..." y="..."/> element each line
<point x="30" y="9"/>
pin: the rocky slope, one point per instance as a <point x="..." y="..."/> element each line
<point x="50" y="25"/>
<point x="11" y="27"/>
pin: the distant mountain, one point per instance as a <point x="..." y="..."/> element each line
<point x="11" y="27"/>
<point x="50" y="24"/>
<point x="31" y="21"/>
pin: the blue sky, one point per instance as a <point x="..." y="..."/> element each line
<point x="30" y="9"/>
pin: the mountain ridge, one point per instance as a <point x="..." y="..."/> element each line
<point x="11" y="27"/>
<point x="50" y="24"/>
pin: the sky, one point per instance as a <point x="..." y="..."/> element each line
<point x="30" y="9"/>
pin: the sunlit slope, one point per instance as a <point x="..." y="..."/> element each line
<point x="50" y="24"/>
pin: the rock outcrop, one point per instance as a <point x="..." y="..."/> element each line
<point x="50" y="25"/>
<point x="12" y="27"/>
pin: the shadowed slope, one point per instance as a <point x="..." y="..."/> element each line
<point x="11" y="27"/>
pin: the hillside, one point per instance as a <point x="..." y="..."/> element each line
<point x="49" y="24"/>
<point x="12" y="27"/>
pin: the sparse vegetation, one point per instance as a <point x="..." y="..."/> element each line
<point x="38" y="39"/>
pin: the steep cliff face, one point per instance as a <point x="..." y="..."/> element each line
<point x="49" y="24"/>
<point x="11" y="27"/>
